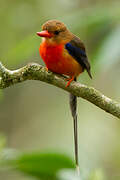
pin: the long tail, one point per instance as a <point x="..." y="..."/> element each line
<point x="73" y="107"/>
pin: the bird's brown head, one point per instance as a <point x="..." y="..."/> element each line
<point x="55" y="31"/>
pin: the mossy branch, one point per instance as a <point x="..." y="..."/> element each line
<point x="35" y="71"/>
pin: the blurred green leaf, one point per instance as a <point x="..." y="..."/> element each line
<point x="42" y="165"/>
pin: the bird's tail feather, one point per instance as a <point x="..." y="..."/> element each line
<point x="73" y="107"/>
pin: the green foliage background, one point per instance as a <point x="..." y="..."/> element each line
<point x="35" y="116"/>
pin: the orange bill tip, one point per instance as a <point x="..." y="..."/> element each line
<point x="44" y="34"/>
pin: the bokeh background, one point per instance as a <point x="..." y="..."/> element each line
<point x="35" y="115"/>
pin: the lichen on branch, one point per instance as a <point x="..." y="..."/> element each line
<point x="35" y="71"/>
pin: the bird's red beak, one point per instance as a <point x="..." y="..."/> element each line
<point x="44" y="34"/>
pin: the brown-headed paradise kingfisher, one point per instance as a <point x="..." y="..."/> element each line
<point x="64" y="53"/>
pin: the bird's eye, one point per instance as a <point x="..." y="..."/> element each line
<point x="56" y="32"/>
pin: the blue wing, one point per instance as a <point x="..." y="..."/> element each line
<point x="77" y="50"/>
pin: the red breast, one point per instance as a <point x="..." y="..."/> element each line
<point x="58" y="60"/>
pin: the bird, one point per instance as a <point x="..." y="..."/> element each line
<point x="64" y="53"/>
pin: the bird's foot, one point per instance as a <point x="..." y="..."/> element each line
<point x="69" y="81"/>
<point x="46" y="69"/>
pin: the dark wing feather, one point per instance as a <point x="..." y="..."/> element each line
<point x="76" y="49"/>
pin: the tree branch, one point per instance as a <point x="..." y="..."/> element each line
<point x="35" y="71"/>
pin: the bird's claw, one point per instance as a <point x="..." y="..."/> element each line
<point x="69" y="81"/>
<point x="46" y="69"/>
